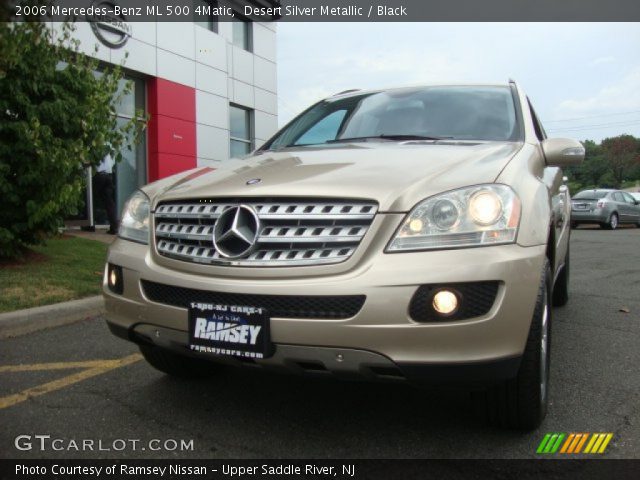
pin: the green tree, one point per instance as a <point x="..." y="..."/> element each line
<point x="608" y="164"/>
<point x="623" y="156"/>
<point x="589" y="172"/>
<point x="56" y="117"/>
<point x="594" y="166"/>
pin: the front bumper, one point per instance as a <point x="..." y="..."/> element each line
<point x="381" y="338"/>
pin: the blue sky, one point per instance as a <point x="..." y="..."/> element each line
<point x="583" y="78"/>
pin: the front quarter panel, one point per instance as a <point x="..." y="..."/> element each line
<point x="560" y="212"/>
<point x="525" y="175"/>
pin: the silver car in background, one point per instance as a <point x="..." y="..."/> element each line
<point x="607" y="207"/>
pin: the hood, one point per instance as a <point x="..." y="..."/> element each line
<point x="396" y="175"/>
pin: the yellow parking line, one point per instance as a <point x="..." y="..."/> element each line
<point x="36" y="367"/>
<point x="96" y="368"/>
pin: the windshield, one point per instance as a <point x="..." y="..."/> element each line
<point x="460" y="113"/>
<point x="591" y="194"/>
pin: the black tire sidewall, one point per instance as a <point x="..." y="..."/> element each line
<point x="519" y="403"/>
<point x="560" y="295"/>
<point x="532" y="406"/>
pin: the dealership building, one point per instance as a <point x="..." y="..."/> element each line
<point x="208" y="88"/>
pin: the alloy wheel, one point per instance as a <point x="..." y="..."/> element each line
<point x="544" y="353"/>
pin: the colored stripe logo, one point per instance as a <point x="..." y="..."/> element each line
<point x="592" y="443"/>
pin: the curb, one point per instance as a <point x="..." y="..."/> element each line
<point x="13" y="324"/>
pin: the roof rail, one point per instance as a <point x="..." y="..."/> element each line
<point x="347" y="91"/>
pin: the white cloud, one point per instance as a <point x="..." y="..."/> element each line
<point x="400" y="67"/>
<point x="620" y="95"/>
<point x="602" y="61"/>
<point x="333" y="74"/>
<point x="602" y="76"/>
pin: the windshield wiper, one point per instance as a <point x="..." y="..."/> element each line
<point x="391" y="138"/>
<point x="387" y="137"/>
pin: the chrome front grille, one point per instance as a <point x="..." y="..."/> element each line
<point x="291" y="232"/>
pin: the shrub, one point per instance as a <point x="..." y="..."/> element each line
<point x="56" y="117"/>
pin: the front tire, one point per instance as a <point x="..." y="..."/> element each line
<point x="177" y="365"/>
<point x="561" y="287"/>
<point x="522" y="401"/>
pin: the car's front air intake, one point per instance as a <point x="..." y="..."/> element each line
<point x="269" y="232"/>
<point x="322" y="307"/>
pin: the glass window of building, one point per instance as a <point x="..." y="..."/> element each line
<point x="131" y="172"/>
<point x="203" y="14"/>
<point x="241" y="142"/>
<point x="241" y="32"/>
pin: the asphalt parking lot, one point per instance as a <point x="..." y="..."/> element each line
<point x="78" y="382"/>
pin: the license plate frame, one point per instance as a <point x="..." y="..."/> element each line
<point x="230" y="330"/>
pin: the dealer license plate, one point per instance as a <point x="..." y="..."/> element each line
<point x="231" y="330"/>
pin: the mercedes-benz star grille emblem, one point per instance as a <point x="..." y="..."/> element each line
<point x="236" y="231"/>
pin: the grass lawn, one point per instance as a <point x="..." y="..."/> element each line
<point x="66" y="268"/>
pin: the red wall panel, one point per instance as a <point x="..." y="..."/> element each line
<point x="175" y="136"/>
<point x="172" y="99"/>
<point x="172" y="128"/>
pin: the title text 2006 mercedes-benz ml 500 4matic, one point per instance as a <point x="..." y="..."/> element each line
<point x="412" y="233"/>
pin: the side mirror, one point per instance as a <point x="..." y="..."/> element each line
<point x="562" y="152"/>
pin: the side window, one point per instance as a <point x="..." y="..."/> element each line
<point x="617" y="196"/>
<point x="540" y="133"/>
<point x="628" y="198"/>
<point x="325" y="129"/>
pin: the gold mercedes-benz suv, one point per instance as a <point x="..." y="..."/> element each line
<point x="417" y="234"/>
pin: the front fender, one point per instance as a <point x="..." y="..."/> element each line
<point x="525" y="174"/>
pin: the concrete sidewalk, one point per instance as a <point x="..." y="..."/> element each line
<point x="17" y="323"/>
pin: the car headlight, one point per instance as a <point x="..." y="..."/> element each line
<point x="469" y="217"/>
<point x="134" y="224"/>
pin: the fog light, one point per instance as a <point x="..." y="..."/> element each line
<point x="445" y="302"/>
<point x="114" y="279"/>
